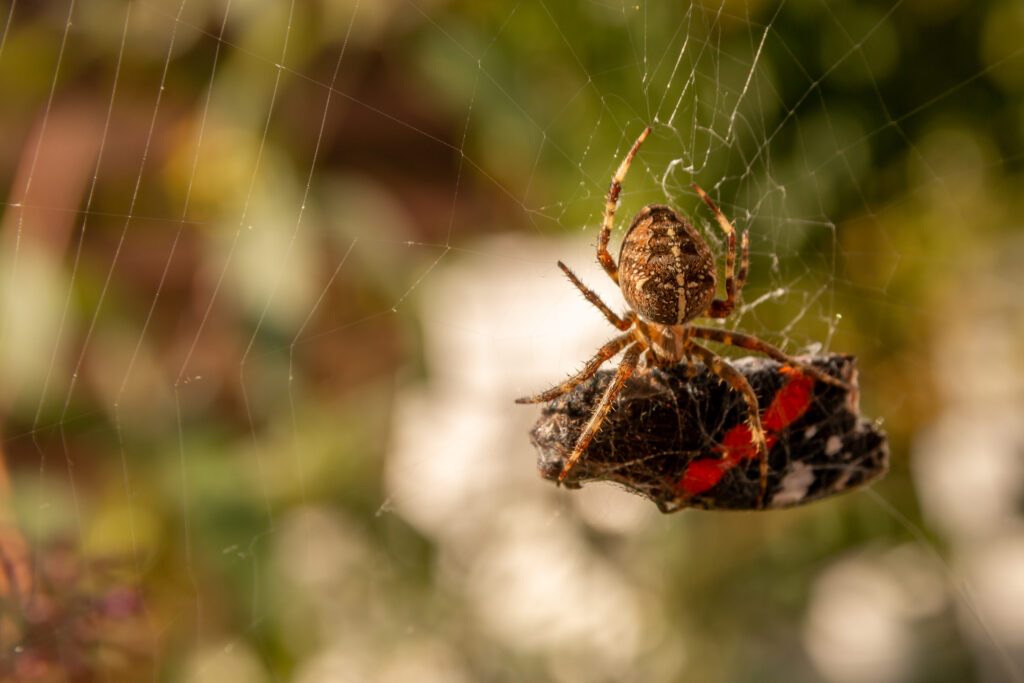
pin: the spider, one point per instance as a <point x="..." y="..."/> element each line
<point x="668" y="277"/>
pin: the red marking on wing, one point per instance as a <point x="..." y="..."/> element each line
<point x="788" y="404"/>
<point x="701" y="475"/>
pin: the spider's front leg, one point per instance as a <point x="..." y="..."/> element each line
<point x="626" y="368"/>
<point x="588" y="371"/>
<point x="752" y="343"/>
<point x="609" y="209"/>
<point x="737" y="381"/>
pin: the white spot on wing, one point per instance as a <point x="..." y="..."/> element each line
<point x="832" y="445"/>
<point x="794" y="485"/>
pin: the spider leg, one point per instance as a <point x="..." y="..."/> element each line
<point x="592" y="366"/>
<point x="721" y="308"/>
<point x="737" y="381"/>
<point x="626" y="368"/>
<point x="609" y="209"/>
<point x="752" y="343"/>
<point x="741" y="277"/>
<point x="593" y="298"/>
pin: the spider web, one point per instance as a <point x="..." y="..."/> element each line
<point x="272" y="273"/>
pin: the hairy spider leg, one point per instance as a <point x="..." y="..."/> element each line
<point x="588" y="371"/>
<point x="737" y="381"/>
<point x="752" y="343"/>
<point x="609" y="209"/>
<point x="593" y="298"/>
<point x="720" y="308"/>
<point x="741" y="277"/>
<point x="626" y="368"/>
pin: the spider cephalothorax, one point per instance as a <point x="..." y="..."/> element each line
<point x="667" y="276"/>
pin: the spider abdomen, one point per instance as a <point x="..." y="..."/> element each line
<point x="666" y="270"/>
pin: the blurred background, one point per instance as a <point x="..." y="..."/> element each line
<point x="272" y="273"/>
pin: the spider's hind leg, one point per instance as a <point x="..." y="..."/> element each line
<point x="591" y="296"/>
<point x="606" y="260"/>
<point x="721" y="308"/>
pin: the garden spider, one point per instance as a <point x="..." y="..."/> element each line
<point x="668" y="277"/>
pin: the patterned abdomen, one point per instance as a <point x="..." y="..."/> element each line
<point x="666" y="270"/>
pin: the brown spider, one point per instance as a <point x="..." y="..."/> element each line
<point x="668" y="277"/>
